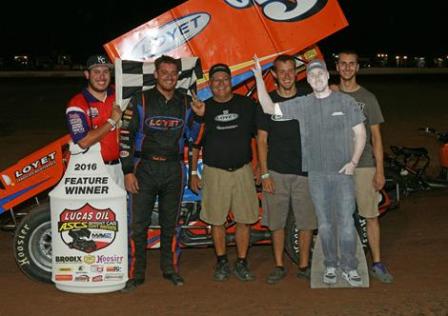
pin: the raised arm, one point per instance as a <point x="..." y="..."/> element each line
<point x="359" y="143"/>
<point x="263" y="97"/>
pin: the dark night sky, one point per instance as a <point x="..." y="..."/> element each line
<point x="81" y="27"/>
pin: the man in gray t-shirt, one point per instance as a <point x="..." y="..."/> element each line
<point x="369" y="175"/>
<point x="333" y="138"/>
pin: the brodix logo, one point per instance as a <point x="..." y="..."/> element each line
<point x="171" y="35"/>
<point x="280" y="10"/>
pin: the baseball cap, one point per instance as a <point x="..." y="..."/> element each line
<point x="316" y="63"/>
<point x="219" y="67"/>
<point x="98" y="60"/>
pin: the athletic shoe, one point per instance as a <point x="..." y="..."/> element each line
<point x="174" y="278"/>
<point x="242" y="272"/>
<point x="304" y="273"/>
<point x="222" y="271"/>
<point x="131" y="285"/>
<point x="380" y="272"/>
<point x="330" y="275"/>
<point x="276" y="275"/>
<point x="353" y="278"/>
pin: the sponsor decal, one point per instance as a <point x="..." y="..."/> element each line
<point x="35" y="167"/>
<point x="22" y="258"/>
<point x="75" y="123"/>
<point x="282" y="10"/>
<point x="164" y="123"/>
<point x="226" y="117"/>
<point x="114" y="259"/>
<point x="96" y="269"/>
<point x="89" y="259"/>
<point x="82" y="278"/>
<point x="93" y="112"/>
<point x="87" y="229"/>
<point x="170" y="35"/>
<point x="67" y="259"/>
<point x="63" y="277"/>
<point x="97" y="278"/>
<point x="86" y="185"/>
<point x="65" y="269"/>
<point x="279" y="118"/>
<point x="219" y="127"/>
<point x="113" y="277"/>
<point x="113" y="269"/>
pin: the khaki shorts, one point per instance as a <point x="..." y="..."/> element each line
<point x="367" y="197"/>
<point x="224" y="191"/>
<point x="291" y="192"/>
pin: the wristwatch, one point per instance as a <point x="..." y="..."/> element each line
<point x="112" y="122"/>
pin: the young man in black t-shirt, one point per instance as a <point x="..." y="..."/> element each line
<point x="227" y="179"/>
<point x="285" y="185"/>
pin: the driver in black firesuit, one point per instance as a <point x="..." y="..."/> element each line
<point x="155" y="125"/>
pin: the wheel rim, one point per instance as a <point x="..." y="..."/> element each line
<point x="40" y="246"/>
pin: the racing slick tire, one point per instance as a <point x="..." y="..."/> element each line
<point x="292" y="238"/>
<point x="32" y="244"/>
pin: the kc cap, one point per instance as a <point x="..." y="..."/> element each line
<point x="98" y="60"/>
<point x="316" y="63"/>
<point x="219" y="67"/>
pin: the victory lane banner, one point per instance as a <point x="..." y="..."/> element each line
<point x="89" y="227"/>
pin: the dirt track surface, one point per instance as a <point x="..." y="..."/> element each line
<point x="414" y="237"/>
<point x="414" y="242"/>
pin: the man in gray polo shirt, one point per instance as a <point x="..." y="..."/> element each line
<point x="333" y="138"/>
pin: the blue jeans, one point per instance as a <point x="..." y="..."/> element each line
<point x="334" y="200"/>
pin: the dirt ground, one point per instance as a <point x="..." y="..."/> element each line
<point x="414" y="238"/>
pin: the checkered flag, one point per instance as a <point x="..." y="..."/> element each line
<point x="136" y="76"/>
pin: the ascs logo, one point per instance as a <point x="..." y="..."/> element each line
<point x="171" y="35"/>
<point x="283" y="10"/>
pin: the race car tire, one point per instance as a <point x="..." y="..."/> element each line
<point x="32" y="244"/>
<point x="292" y="238"/>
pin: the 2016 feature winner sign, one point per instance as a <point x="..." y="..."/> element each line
<point x="89" y="227"/>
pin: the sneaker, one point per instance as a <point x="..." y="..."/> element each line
<point x="276" y="275"/>
<point x="380" y="272"/>
<point x="242" y="272"/>
<point x="131" y="285"/>
<point x="353" y="278"/>
<point x="330" y="275"/>
<point x="222" y="271"/>
<point x="174" y="277"/>
<point x="304" y="273"/>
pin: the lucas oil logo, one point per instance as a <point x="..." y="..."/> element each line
<point x="283" y="10"/>
<point x="164" y="123"/>
<point x="87" y="229"/>
<point x="171" y="35"/>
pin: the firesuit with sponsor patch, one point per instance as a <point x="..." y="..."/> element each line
<point x="152" y="141"/>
